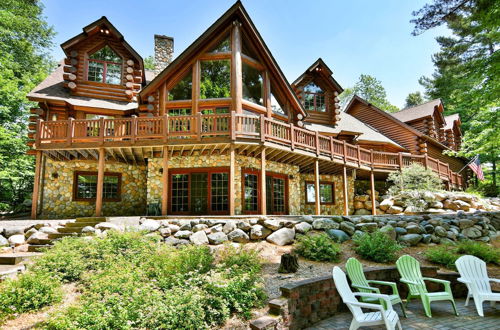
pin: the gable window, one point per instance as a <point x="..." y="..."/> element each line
<point x="105" y="66"/>
<point x="325" y="192"/>
<point x="223" y="47"/>
<point x="314" y="98"/>
<point x="215" y="82"/>
<point x="85" y="186"/>
<point x="252" y="84"/>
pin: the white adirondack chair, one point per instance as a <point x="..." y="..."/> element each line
<point x="388" y="317"/>
<point x="473" y="273"/>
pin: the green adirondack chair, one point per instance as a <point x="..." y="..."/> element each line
<point x="355" y="272"/>
<point x="409" y="269"/>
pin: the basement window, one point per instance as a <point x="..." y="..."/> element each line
<point x="85" y="186"/>
<point x="326" y="193"/>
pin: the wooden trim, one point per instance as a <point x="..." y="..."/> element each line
<point x="164" y="179"/>
<point x="346" y="190"/>
<point x="263" y="206"/>
<point x="36" y="185"/>
<point x="236" y="66"/>
<point x="232" y="173"/>
<point x="100" y="182"/>
<point x="316" y="181"/>
<point x="256" y="172"/>
<point x="372" y="188"/>
<point x="94" y="173"/>
<point x="330" y="183"/>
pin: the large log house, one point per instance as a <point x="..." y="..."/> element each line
<point x="218" y="130"/>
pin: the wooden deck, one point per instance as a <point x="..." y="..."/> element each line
<point x="211" y="131"/>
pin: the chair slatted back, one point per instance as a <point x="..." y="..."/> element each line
<point x="409" y="269"/>
<point x="345" y="291"/>
<point x="474" y="269"/>
<point x="355" y="272"/>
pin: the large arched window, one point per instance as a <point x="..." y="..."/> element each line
<point x="105" y="66"/>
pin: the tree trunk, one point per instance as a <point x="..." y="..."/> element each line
<point x="289" y="263"/>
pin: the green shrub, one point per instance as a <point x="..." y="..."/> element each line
<point x="443" y="255"/>
<point x="376" y="247"/>
<point x="28" y="292"/>
<point x="240" y="260"/>
<point x="413" y="177"/>
<point x="318" y="247"/>
<point x="483" y="251"/>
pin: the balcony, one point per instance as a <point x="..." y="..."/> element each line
<point x="224" y="128"/>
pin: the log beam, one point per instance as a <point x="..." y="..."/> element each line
<point x="100" y="182"/>
<point x="164" y="180"/>
<point x="372" y="188"/>
<point x="317" y="205"/>
<point x="237" y="84"/>
<point x="36" y="185"/>
<point x="346" y="190"/>
<point x="263" y="206"/>
<point x="232" y="173"/>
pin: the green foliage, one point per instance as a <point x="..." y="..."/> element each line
<point x="443" y="255"/>
<point x="129" y="280"/>
<point x="27" y="292"/>
<point x="376" y="246"/>
<point x="318" y="247"/>
<point x="414" y="99"/>
<point x="413" y="177"/>
<point x="149" y="63"/>
<point x="370" y="89"/>
<point x="446" y="255"/>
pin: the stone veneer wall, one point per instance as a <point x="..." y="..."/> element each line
<point x="296" y="183"/>
<point x="306" y="302"/>
<point x="58" y="192"/>
<point x="338" y="206"/>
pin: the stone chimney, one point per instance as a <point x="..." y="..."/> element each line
<point x="164" y="50"/>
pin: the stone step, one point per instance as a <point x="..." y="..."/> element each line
<point x="47" y="241"/>
<point x="70" y="230"/>
<point x="61" y="235"/>
<point x="10" y="271"/>
<point x="15" y="258"/>
<point x="81" y="224"/>
<point x="38" y="247"/>
<point x="91" y="219"/>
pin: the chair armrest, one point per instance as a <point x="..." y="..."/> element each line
<point x="445" y="283"/>
<point x="375" y="295"/>
<point x="380" y="308"/>
<point x="365" y="288"/>
<point x="494" y="280"/>
<point x="463" y="280"/>
<point x="408" y="281"/>
<point x="391" y="284"/>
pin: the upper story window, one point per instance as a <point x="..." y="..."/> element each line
<point x="223" y="47"/>
<point x="182" y="90"/>
<point x="105" y="66"/>
<point x="252" y="84"/>
<point x="215" y="81"/>
<point x="314" y="98"/>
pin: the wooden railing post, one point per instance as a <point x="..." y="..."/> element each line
<point x="38" y="133"/>
<point x="165" y="128"/>
<point x="133" y="129"/>
<point x="317" y="143"/>
<point x="262" y="128"/>
<point x="359" y="155"/>
<point x="199" y="124"/>
<point x="331" y="147"/>
<point x="233" y="125"/>
<point x="101" y="131"/>
<point x="426" y="161"/>
<point x="69" y="132"/>
<point x="344" y="149"/>
<point x="292" y="135"/>
<point x="400" y="160"/>
<point x="372" y="158"/>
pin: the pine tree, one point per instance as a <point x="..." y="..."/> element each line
<point x="414" y="99"/>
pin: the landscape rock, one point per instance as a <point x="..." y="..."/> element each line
<point x="465" y="223"/>
<point x="337" y="235"/>
<point x="183" y="234"/>
<point x="165" y="232"/>
<point x="362" y="212"/>
<point x="369" y="226"/>
<point x="243" y="225"/>
<point x="16" y="240"/>
<point x="217" y="238"/>
<point x="272" y="224"/>
<point x="386" y="203"/>
<point x="238" y="236"/>
<point x="472" y="232"/>
<point x="302" y="227"/>
<point x="104" y="226"/>
<point x="36" y="237"/>
<point x="173" y="228"/>
<point x="229" y="227"/>
<point x="283" y="236"/>
<point x="199" y="227"/>
<point x="325" y="224"/>
<point x="394" y="209"/>
<point x="348" y="227"/>
<point x="150" y="225"/>
<point x="185" y="226"/>
<point x="10" y="231"/>
<point x="307" y="218"/>
<point x="199" y="238"/>
<point x="410" y="239"/>
<point x="258" y="232"/>
<point x="3" y="241"/>
<point x="87" y="230"/>
<point x="440" y="231"/>
<point x="389" y="231"/>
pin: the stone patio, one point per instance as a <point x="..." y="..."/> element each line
<point x="443" y="318"/>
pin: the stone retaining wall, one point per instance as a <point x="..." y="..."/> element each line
<point x="304" y="303"/>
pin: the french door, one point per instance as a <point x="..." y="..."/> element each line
<point x="198" y="191"/>
<point x="276" y="193"/>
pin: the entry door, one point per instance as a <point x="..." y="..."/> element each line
<point x="199" y="193"/>
<point x="276" y="199"/>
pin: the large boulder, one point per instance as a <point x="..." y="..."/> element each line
<point x="283" y="236"/>
<point x="325" y="224"/>
<point x="36" y="237"/>
<point x="150" y="225"/>
<point x="410" y="239"/>
<point x="173" y="228"/>
<point x="199" y="227"/>
<point x="243" y="225"/>
<point x="386" y="203"/>
<point x="337" y="235"/>
<point x="307" y="218"/>
<point x="440" y="231"/>
<point x="229" y="227"/>
<point x="348" y="227"/>
<point x="367" y="227"/>
<point x="464" y="206"/>
<point x="185" y="226"/>
<point x="394" y="209"/>
<point x="272" y="224"/>
<point x="260" y="232"/>
<point x="451" y="205"/>
<point x="3" y="241"/>
<point x="199" y="238"/>
<point x="217" y="238"/>
<point x="9" y="231"/>
<point x="238" y="236"/>
<point x="472" y="232"/>
<point x="302" y="227"/>
<point x="414" y="229"/>
<point x="389" y="231"/>
<point x="183" y="234"/>
<point x="16" y="240"/>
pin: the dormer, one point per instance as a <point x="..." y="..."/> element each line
<point x="428" y="118"/>
<point x="452" y="132"/>
<point x="228" y="68"/>
<point x="100" y="64"/>
<point x="318" y="92"/>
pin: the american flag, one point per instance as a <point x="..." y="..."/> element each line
<point x="475" y="166"/>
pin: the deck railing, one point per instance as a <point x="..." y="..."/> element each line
<point x="232" y="125"/>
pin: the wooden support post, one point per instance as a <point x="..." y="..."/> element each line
<point x="236" y="65"/>
<point x="331" y="148"/>
<point x="69" y="133"/>
<point x="344" y="151"/>
<point x="165" y="128"/>
<point x="316" y="188"/>
<point x="316" y="139"/>
<point x="426" y="161"/>
<point x="232" y="173"/>
<point x="163" y="98"/>
<point x="164" y="180"/>
<point x="400" y="161"/>
<point x="36" y="185"/>
<point x="199" y="125"/>
<point x="133" y="129"/>
<point x="292" y="136"/>
<point x="100" y="182"/>
<point x="262" y="128"/>
<point x="233" y="125"/>
<point x="372" y="188"/>
<point x="195" y="91"/>
<point x="101" y="130"/>
<point x="346" y="190"/>
<point x="358" y="152"/>
<point x="263" y="206"/>
<point x="267" y="94"/>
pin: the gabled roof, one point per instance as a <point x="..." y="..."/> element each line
<point x="420" y="111"/>
<point x="97" y="24"/>
<point x="237" y="11"/>
<point x="52" y="89"/>
<point x="320" y="66"/>
<point x="350" y="124"/>
<point x="452" y="120"/>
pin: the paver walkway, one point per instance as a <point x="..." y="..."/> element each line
<point x="443" y="318"/>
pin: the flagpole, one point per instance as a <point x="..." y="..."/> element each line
<point x="473" y="160"/>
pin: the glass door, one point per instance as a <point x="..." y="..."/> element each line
<point x="199" y="193"/>
<point x="276" y="195"/>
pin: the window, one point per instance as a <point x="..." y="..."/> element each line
<point x="223" y="47"/>
<point x="314" y="98"/>
<point x="250" y="191"/>
<point x="182" y="91"/>
<point x="105" y="66"/>
<point x="252" y="84"/>
<point x="85" y="186"/>
<point x="180" y="190"/>
<point x="179" y="112"/>
<point x="215" y="81"/>
<point x="277" y="107"/>
<point x="325" y="192"/>
<point x="276" y="192"/>
<point x="220" y="196"/>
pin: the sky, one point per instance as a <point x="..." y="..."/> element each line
<point x="353" y="37"/>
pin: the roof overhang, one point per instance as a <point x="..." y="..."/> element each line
<point x="320" y="67"/>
